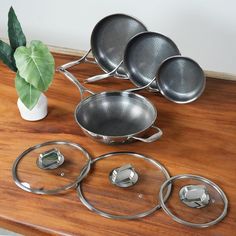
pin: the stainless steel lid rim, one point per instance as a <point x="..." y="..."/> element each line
<point x="111" y="216"/>
<point x="200" y="178"/>
<point x="127" y="217"/>
<point x="82" y="175"/>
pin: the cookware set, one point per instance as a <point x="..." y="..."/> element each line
<point x="123" y="48"/>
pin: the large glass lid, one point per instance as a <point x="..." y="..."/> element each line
<point x="51" y="167"/>
<point x="194" y="201"/>
<point x="123" y="185"/>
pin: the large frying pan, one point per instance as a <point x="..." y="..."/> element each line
<point x="108" y="41"/>
<point x="142" y="57"/>
<point x="115" y="117"/>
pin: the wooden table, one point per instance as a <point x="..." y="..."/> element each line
<point x="199" y="138"/>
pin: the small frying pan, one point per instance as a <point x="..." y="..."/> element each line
<point x="142" y="57"/>
<point x="108" y="41"/>
<point x="180" y="79"/>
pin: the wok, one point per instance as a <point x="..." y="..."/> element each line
<point x="116" y="116"/>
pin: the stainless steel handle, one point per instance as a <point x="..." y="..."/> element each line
<point x="81" y="88"/>
<point x="121" y="76"/>
<point x="144" y="87"/>
<point x="98" y="77"/>
<point x="152" y="138"/>
<point x="77" y="62"/>
<point x="103" y="76"/>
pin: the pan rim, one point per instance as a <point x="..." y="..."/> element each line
<point x="97" y="25"/>
<point x="128" y="45"/>
<point x="177" y="101"/>
<point x="118" y="92"/>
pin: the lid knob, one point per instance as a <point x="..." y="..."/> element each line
<point x="50" y="159"/>
<point x="195" y="196"/>
<point x="124" y="176"/>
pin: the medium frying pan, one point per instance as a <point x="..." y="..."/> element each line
<point x="144" y="55"/>
<point x="108" y="41"/>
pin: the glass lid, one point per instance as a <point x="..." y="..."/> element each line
<point x="51" y="167"/>
<point x="194" y="201"/>
<point x="123" y="185"/>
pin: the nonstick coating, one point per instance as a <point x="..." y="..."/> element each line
<point x="110" y="37"/>
<point x="115" y="114"/>
<point x="144" y="54"/>
<point x="180" y="79"/>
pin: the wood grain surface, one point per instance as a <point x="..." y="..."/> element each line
<point x="199" y="138"/>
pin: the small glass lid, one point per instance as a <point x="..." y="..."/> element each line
<point x="123" y="185"/>
<point x="194" y="201"/>
<point x="51" y="167"/>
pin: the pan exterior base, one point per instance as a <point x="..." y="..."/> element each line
<point x="111" y="140"/>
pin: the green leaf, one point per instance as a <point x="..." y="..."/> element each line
<point x="6" y="55"/>
<point x="28" y="94"/>
<point x="35" y="64"/>
<point x="15" y="33"/>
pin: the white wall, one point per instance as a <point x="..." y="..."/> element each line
<point x="203" y="29"/>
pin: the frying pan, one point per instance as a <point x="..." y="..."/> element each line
<point x="108" y="41"/>
<point x="180" y="79"/>
<point x="115" y="117"/>
<point x="142" y="57"/>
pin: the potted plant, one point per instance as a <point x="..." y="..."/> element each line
<point x="34" y="67"/>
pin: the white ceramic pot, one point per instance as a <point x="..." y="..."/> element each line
<point x="37" y="113"/>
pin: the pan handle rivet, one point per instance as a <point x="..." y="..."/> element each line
<point x="140" y="195"/>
